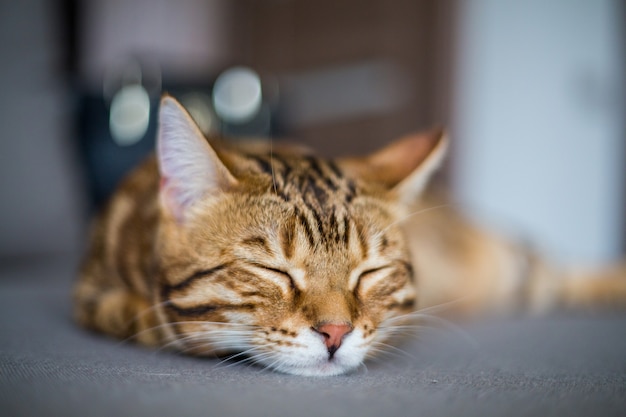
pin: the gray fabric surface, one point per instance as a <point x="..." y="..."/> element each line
<point x="557" y="365"/>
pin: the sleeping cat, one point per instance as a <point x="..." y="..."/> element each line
<point x="304" y="265"/>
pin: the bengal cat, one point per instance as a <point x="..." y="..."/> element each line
<point x="301" y="264"/>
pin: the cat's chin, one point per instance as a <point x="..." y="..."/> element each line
<point x="346" y="362"/>
<point x="323" y="370"/>
<point x="309" y="357"/>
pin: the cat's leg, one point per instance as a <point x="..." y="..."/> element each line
<point x="116" y="311"/>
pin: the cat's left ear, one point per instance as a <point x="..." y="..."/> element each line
<point x="405" y="166"/>
<point x="190" y="169"/>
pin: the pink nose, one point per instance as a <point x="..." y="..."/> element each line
<point x="333" y="334"/>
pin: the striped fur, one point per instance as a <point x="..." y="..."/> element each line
<point x="276" y="246"/>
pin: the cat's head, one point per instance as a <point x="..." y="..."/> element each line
<point x="294" y="261"/>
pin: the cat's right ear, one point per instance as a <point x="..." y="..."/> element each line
<point x="404" y="167"/>
<point x="190" y="169"/>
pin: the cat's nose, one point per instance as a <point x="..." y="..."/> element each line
<point x="333" y="335"/>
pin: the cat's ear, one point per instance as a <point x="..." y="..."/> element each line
<point x="190" y="169"/>
<point x="405" y="166"/>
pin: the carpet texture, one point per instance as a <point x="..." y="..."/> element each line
<point x="560" y="365"/>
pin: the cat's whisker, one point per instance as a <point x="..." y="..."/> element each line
<point x="362" y="367"/>
<point x="406" y="325"/>
<point x="441" y="322"/>
<point x="178" y="343"/>
<point x="256" y="361"/>
<point x="219" y="338"/>
<point x="137" y="335"/>
<point x="141" y="314"/>
<point x="254" y="356"/>
<point x="150" y="309"/>
<point x="172" y="324"/>
<point x="388" y="349"/>
<point x="380" y="356"/>
<point x="414" y="213"/>
<point x="242" y="353"/>
<point x="400" y="331"/>
<point x="215" y="323"/>
<point x="225" y="339"/>
<point x="248" y="361"/>
<point x="417" y="322"/>
<point x="273" y="366"/>
<point x="438" y="308"/>
<point x="413" y="333"/>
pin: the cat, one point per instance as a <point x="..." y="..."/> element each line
<point x="301" y="264"/>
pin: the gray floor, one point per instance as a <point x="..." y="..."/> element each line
<point x="558" y="365"/>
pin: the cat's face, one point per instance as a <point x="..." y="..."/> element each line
<point x="311" y="290"/>
<point x="294" y="262"/>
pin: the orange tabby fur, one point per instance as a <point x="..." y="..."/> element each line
<point x="304" y="264"/>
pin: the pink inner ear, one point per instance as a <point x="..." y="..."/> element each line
<point x="169" y="199"/>
<point x="401" y="158"/>
<point x="190" y="169"/>
<point x="391" y="165"/>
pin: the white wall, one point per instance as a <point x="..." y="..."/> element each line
<point x="539" y="122"/>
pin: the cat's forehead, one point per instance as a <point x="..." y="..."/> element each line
<point x="308" y="202"/>
<point x="316" y="188"/>
<point x="292" y="172"/>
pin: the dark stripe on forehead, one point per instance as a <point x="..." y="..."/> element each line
<point x="315" y="194"/>
<point x="286" y="167"/>
<point x="319" y="193"/>
<point x="314" y="165"/>
<point x="258" y="242"/>
<point x="335" y="169"/>
<point x="265" y="166"/>
<point x="346" y="231"/>
<point x="305" y="225"/>
<point x="277" y="167"/>
<point x="333" y="226"/>
<point x="317" y="167"/>
<point x="362" y="240"/>
<point x="318" y="220"/>
<point x="351" y="192"/>
<point x="287" y="237"/>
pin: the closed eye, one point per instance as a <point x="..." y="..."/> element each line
<point x="281" y="273"/>
<point x="370" y="273"/>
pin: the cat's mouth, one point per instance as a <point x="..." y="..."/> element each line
<point x="313" y="358"/>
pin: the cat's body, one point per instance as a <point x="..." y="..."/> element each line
<point x="303" y="264"/>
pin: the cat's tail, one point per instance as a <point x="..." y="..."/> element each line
<point x="605" y="287"/>
<point x="577" y="288"/>
<point x="470" y="270"/>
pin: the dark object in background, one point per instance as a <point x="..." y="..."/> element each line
<point x="105" y="161"/>
<point x="117" y="129"/>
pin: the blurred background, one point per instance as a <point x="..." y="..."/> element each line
<point x="533" y="93"/>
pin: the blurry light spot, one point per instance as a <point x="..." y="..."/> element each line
<point x="199" y="107"/>
<point x="237" y="95"/>
<point x="129" y="115"/>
